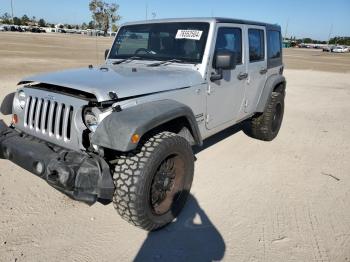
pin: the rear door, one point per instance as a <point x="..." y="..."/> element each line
<point x="257" y="66"/>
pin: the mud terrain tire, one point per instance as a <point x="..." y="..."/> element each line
<point x="266" y="126"/>
<point x="161" y="168"/>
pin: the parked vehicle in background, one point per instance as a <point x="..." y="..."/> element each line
<point x="327" y="48"/>
<point x="340" y="49"/>
<point x="11" y="28"/>
<point x="35" y="30"/>
<point x="123" y="132"/>
<point x="302" y="45"/>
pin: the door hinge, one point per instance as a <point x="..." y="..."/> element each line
<point x="246" y="103"/>
<point x="207" y="118"/>
<point x="209" y="90"/>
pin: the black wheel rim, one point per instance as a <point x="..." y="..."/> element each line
<point x="276" y="119"/>
<point x="167" y="184"/>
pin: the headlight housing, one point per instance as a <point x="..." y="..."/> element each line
<point x="22" y="98"/>
<point x="91" y="119"/>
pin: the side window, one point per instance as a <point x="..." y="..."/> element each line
<point x="256" y="45"/>
<point x="230" y="39"/>
<point x="274" y="44"/>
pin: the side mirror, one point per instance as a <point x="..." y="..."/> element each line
<point x="106" y="53"/>
<point x="223" y="60"/>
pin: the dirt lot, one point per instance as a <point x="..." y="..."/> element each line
<point x="287" y="200"/>
<point x="315" y="59"/>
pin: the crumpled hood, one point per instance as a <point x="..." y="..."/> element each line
<point x="124" y="80"/>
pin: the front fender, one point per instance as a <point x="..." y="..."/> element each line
<point x="7" y="104"/>
<point x="116" y="130"/>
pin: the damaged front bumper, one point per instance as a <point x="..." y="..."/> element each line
<point x="82" y="177"/>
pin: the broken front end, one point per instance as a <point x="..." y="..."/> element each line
<point x="46" y="138"/>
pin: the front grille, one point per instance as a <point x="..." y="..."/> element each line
<point x="48" y="117"/>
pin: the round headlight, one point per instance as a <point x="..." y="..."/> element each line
<point x="22" y="98"/>
<point x="90" y="120"/>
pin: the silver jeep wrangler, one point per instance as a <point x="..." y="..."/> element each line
<point x="123" y="132"/>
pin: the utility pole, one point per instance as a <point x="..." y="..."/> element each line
<point x="146" y="11"/>
<point x="285" y="35"/>
<point x="330" y="33"/>
<point x="12" y="11"/>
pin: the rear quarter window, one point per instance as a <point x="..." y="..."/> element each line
<point x="274" y="45"/>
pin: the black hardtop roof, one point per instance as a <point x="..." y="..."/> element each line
<point x="247" y="22"/>
<point x="208" y="20"/>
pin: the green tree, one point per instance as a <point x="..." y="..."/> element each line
<point x="307" y="40"/>
<point x="25" y="20"/>
<point x="6" y="18"/>
<point x="115" y="28"/>
<point x="104" y="14"/>
<point x="91" y="25"/>
<point x="340" y="41"/>
<point x="84" y="26"/>
<point x="42" y="22"/>
<point x="17" y="21"/>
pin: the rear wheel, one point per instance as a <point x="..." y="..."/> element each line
<point x="153" y="183"/>
<point x="267" y="125"/>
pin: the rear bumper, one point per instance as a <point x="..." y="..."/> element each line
<point x="82" y="177"/>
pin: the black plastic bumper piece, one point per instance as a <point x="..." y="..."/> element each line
<point x="83" y="177"/>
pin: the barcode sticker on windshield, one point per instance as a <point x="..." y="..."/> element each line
<point x="189" y="34"/>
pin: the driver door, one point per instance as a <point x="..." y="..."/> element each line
<point x="225" y="97"/>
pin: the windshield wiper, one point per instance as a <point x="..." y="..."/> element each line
<point x="127" y="59"/>
<point x="170" y="61"/>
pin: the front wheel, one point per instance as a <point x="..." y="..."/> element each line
<point x="153" y="183"/>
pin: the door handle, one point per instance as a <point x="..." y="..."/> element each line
<point x="263" y="71"/>
<point x="242" y="76"/>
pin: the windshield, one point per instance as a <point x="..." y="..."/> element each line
<point x="164" y="41"/>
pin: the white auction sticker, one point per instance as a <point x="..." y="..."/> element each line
<point x="189" y="34"/>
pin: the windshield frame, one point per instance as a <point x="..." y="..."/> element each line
<point x="145" y="57"/>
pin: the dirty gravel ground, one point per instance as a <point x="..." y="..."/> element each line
<point x="287" y="200"/>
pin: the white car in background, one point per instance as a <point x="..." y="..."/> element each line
<point x="2" y="28"/>
<point x="340" y="49"/>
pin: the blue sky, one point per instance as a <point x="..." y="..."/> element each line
<point x="311" y="18"/>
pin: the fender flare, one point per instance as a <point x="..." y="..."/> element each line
<point x="270" y="84"/>
<point x="116" y="130"/>
<point x="7" y="104"/>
